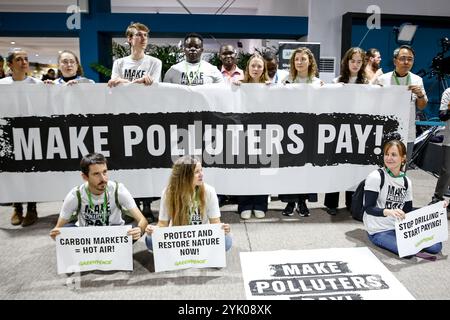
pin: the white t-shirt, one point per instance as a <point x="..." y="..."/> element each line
<point x="78" y="79"/>
<point x="193" y="74"/>
<point x="95" y="216"/>
<point x="212" y="209"/>
<point x="388" y="80"/>
<point x="314" y="81"/>
<point x="129" y="69"/>
<point x="444" y="106"/>
<point x="9" y="80"/>
<point x="393" y="195"/>
<point x="351" y="80"/>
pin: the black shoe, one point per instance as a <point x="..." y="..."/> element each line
<point x="147" y="212"/>
<point x="302" y="209"/>
<point x="435" y="200"/>
<point x="331" y="211"/>
<point x="289" y="210"/>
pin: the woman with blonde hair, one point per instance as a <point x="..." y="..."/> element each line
<point x="187" y="200"/>
<point x="255" y="72"/>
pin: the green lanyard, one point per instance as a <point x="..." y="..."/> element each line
<point x="104" y="205"/>
<point x="408" y="79"/>
<point x="189" y="78"/>
<point x="400" y="175"/>
<point x="308" y="80"/>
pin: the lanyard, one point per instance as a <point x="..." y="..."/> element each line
<point x="401" y="174"/>
<point x="189" y="78"/>
<point x="104" y="205"/>
<point x="408" y="79"/>
<point x="308" y="80"/>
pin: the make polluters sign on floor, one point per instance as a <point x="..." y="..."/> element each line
<point x="94" y="248"/>
<point x="196" y="246"/>
<point x="322" y="274"/>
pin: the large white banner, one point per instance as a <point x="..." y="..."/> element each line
<point x="421" y="229"/>
<point x="94" y="248"/>
<point x="181" y="247"/>
<point x="252" y="139"/>
<point x="322" y="274"/>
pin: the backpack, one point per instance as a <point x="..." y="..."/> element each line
<point x="125" y="214"/>
<point x="357" y="208"/>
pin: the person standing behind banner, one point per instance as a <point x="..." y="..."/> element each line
<point x="373" y="70"/>
<point x="303" y="69"/>
<point x="2" y="70"/>
<point x="401" y="76"/>
<point x="70" y="70"/>
<point x="230" y="71"/>
<point x="137" y="67"/>
<point x="98" y="201"/>
<point x="275" y="75"/>
<point x="444" y="176"/>
<point x="352" y="72"/>
<point x="17" y="61"/>
<point x="193" y="70"/>
<point x="255" y="72"/>
<point x="188" y="200"/>
<point x="393" y="201"/>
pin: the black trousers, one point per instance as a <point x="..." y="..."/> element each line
<point x="332" y="199"/>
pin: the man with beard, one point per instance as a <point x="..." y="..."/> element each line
<point x="99" y="202"/>
<point x="193" y="71"/>
<point x="230" y="70"/>
<point x="373" y="70"/>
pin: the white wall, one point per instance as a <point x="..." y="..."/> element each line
<point x="325" y="18"/>
<point x="296" y="8"/>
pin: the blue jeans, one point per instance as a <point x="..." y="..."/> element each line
<point x="228" y="242"/>
<point x="388" y="241"/>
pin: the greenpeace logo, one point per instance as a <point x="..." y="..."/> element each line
<point x="90" y="262"/>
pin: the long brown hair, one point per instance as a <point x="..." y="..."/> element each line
<point x="312" y="68"/>
<point x="264" y="76"/>
<point x="345" y="70"/>
<point x="180" y="192"/>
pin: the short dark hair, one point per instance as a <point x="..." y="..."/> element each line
<point x="404" y="46"/>
<point x="269" y="55"/>
<point x="193" y="35"/>
<point x="91" y="158"/>
<point x="1" y="58"/>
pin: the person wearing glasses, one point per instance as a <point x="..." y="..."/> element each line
<point x="70" y="71"/>
<point x="138" y="67"/>
<point x="193" y="71"/>
<point x="402" y="76"/>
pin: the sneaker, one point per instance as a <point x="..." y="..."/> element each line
<point x="331" y="211"/>
<point x="259" y="214"/>
<point x="246" y="214"/>
<point x="289" y="210"/>
<point x="16" y="218"/>
<point x="30" y="218"/>
<point x="302" y="209"/>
